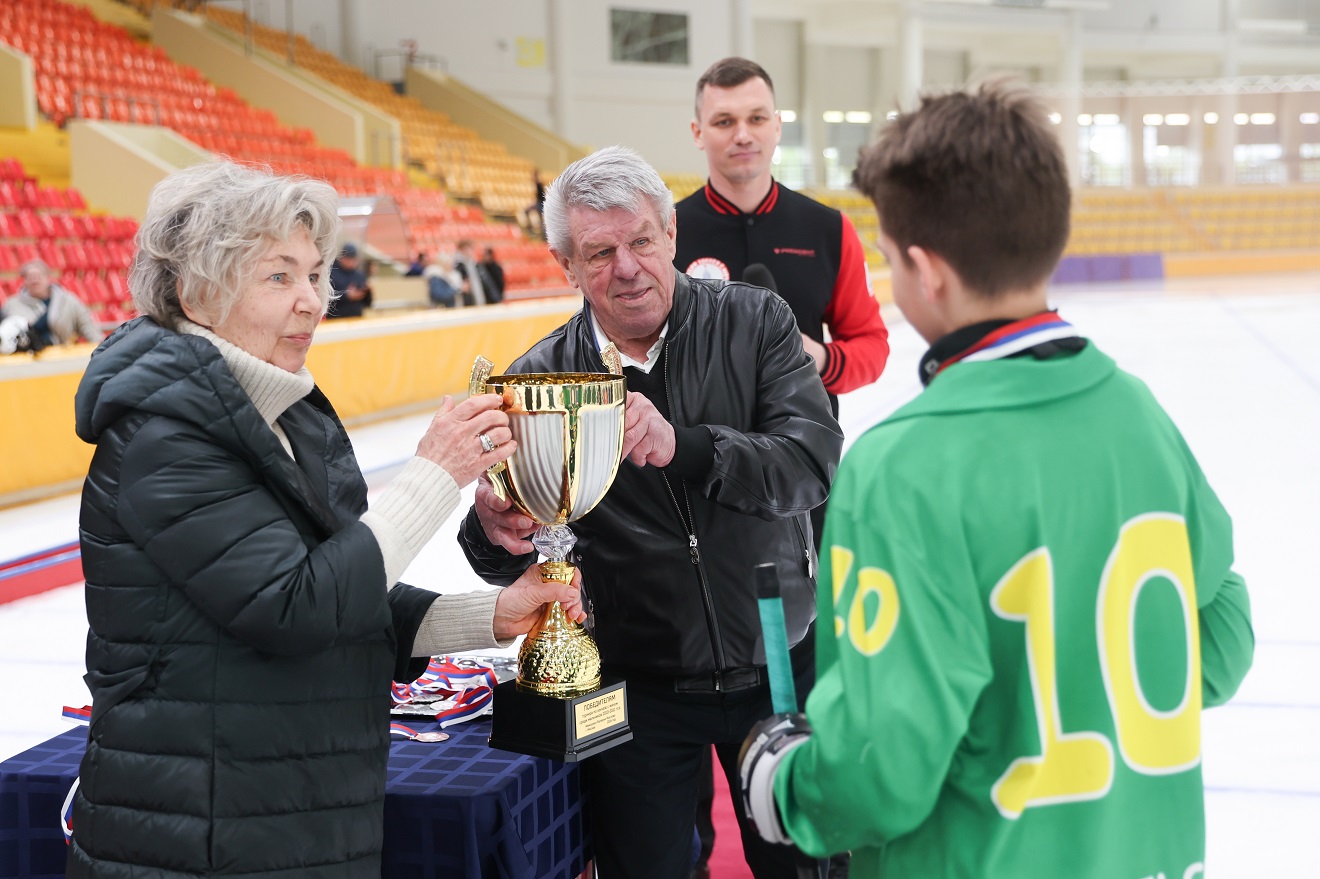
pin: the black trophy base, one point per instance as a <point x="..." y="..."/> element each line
<point x="569" y="729"/>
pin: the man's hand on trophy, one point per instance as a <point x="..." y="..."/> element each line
<point x="648" y="438"/>
<point x="503" y="523"/>
<point x="518" y="606"/>
<point x="454" y="438"/>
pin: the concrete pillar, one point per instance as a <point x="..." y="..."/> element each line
<point x="1226" y="130"/>
<point x="1070" y="102"/>
<point x="813" y="127"/>
<point x="1136" y="130"/>
<point x="350" y="35"/>
<point x="1291" y="136"/>
<point x="1196" y="146"/>
<point x="740" y="27"/>
<point x="910" y="49"/>
<point x="561" y="49"/>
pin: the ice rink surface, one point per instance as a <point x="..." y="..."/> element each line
<point x="1235" y="361"/>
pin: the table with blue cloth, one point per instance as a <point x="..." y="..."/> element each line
<point x="452" y="809"/>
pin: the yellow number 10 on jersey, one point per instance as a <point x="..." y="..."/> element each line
<point x="1080" y="766"/>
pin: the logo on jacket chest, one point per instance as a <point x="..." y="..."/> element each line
<point x="795" y="251"/>
<point x="708" y="268"/>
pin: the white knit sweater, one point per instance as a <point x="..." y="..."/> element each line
<point x="404" y="518"/>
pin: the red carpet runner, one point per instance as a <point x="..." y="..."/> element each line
<point x="726" y="859"/>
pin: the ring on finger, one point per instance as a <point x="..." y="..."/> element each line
<point x="487" y="444"/>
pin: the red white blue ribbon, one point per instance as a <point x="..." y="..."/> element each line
<point x="1012" y="338"/>
<point x="66" y="814"/>
<point x="447" y="675"/>
<point x="471" y="703"/>
<point x="81" y="716"/>
<point x="465" y="687"/>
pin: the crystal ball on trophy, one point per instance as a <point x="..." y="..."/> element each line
<point x="569" y="428"/>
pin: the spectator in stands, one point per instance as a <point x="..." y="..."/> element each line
<point x="245" y="614"/>
<point x="492" y="276"/>
<point x="54" y="315"/>
<point x="441" y="281"/>
<point x="418" y="265"/>
<point x="537" y="206"/>
<point x="348" y="280"/>
<point x="469" y="279"/>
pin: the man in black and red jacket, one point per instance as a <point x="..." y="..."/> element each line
<point x="744" y="225"/>
<point x="743" y="218"/>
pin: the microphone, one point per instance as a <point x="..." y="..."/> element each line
<point x="760" y="276"/>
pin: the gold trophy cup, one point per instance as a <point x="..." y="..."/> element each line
<point x="569" y="430"/>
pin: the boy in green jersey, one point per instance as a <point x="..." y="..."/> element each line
<point x="1026" y="588"/>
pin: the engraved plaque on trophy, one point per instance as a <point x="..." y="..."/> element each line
<point x="569" y="430"/>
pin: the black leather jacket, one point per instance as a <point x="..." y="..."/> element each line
<point x="734" y="365"/>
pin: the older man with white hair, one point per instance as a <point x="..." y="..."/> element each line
<point x="729" y="443"/>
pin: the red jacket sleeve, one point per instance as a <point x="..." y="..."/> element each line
<point x="859" y="340"/>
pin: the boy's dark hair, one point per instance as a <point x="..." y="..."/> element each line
<point x="978" y="177"/>
<point x="730" y="73"/>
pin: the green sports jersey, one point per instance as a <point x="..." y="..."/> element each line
<point x="1026" y="599"/>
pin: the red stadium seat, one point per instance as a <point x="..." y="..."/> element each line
<point x="76" y="257"/>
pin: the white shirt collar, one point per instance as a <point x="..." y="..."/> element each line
<point x="652" y="356"/>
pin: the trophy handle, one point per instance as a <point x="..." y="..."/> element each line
<point x="609" y="355"/>
<point x="481" y="370"/>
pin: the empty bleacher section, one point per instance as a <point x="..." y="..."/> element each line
<point x="88" y="254"/>
<point x="1171" y="231"/>
<point x="87" y="69"/>
<point x="464" y="164"/>
<point x="467" y="167"/>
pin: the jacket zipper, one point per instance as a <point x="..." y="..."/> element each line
<point x="806" y="550"/>
<point x="690" y="526"/>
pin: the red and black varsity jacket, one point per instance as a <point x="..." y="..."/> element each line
<point x="815" y="257"/>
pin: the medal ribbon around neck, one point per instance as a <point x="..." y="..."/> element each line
<point x="1013" y="338"/>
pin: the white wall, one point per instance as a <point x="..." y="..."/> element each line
<point x="777" y="47"/>
<point x="823" y="54"/>
<point x="503" y="48"/>
<point x="1157" y="15"/>
<point x="644" y="106"/>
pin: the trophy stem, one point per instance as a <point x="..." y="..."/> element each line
<point x="555" y="542"/>
<point x="558" y="657"/>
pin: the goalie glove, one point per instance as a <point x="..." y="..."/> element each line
<point x="769" y="742"/>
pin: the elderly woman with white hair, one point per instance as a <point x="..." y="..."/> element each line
<point x="245" y="619"/>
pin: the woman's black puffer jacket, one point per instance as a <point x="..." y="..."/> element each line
<point x="242" y="639"/>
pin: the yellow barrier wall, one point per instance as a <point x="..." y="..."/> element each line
<point x="36" y="409"/>
<point x="368" y="369"/>
<point x="1262" y="262"/>
<point x="392" y="364"/>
